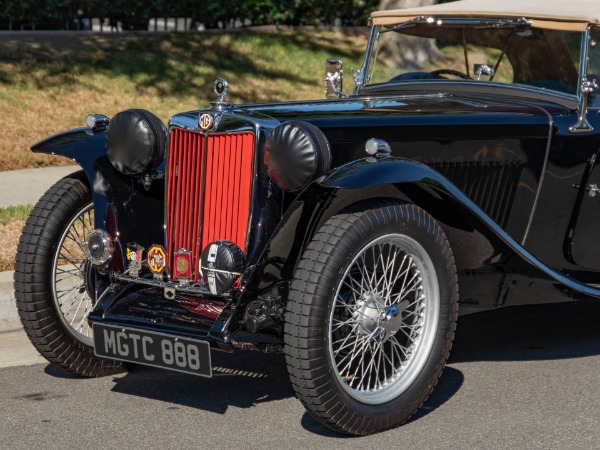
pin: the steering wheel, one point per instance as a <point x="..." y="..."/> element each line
<point x="456" y="73"/>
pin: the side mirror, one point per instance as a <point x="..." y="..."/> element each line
<point x="334" y="75"/>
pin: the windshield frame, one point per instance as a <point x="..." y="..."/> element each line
<point x="362" y="88"/>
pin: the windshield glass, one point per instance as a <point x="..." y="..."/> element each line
<point x="523" y="55"/>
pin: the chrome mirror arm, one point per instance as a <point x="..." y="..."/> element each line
<point x="586" y="87"/>
<point x="334" y="77"/>
<point x="583" y="125"/>
<point x="333" y="80"/>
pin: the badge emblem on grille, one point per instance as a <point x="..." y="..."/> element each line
<point x="157" y="259"/>
<point x="205" y="121"/>
<point x="134" y="256"/>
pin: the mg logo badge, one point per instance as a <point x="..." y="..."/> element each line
<point x="206" y="121"/>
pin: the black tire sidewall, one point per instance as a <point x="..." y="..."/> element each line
<point x="371" y="225"/>
<point x="34" y="278"/>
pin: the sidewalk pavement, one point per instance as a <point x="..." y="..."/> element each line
<point x="20" y="187"/>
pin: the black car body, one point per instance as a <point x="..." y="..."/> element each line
<point x="507" y="170"/>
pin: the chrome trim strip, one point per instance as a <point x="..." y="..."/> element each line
<point x="186" y="289"/>
<point x="542" y="175"/>
<point x="517" y="87"/>
<point x="464" y="21"/>
<point x="253" y="188"/>
<point x="361" y="75"/>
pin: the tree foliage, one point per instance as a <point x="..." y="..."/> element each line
<point x="134" y="14"/>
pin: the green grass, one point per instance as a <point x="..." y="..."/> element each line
<point x="50" y="86"/>
<point x="13" y="213"/>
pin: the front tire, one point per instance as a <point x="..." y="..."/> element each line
<point x="371" y="317"/>
<point x="50" y="279"/>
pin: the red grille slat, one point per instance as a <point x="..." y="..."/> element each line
<point x="184" y="173"/>
<point x="228" y="191"/>
<point x="247" y="171"/>
<point x="229" y="222"/>
<point x="198" y="162"/>
<point x="208" y="202"/>
<point x="171" y="181"/>
<point x="208" y="191"/>
<point x="235" y="197"/>
<point x="218" y="212"/>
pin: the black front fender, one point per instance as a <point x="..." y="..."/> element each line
<point x="384" y="178"/>
<point x="122" y="205"/>
<point x="80" y="145"/>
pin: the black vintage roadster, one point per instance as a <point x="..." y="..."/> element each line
<point x="347" y="233"/>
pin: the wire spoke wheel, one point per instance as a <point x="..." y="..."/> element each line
<point x="371" y="315"/>
<point x="382" y="324"/>
<point x="69" y="292"/>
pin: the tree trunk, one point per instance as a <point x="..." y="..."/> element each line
<point x="406" y="51"/>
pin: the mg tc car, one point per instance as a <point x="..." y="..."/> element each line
<point x="458" y="175"/>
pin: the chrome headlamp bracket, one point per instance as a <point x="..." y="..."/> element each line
<point x="97" y="122"/>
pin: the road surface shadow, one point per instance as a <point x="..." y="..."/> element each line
<point x="529" y="333"/>
<point x="450" y="382"/>
<point x="540" y="332"/>
<point x="245" y="379"/>
<point x="242" y="380"/>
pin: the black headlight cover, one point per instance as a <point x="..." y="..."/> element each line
<point x="136" y="142"/>
<point x="221" y="264"/>
<point x="297" y="153"/>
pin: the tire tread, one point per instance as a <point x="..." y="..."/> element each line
<point x="308" y="375"/>
<point x="32" y="283"/>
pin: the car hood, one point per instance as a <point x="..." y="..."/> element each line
<point x="410" y="112"/>
<point x="404" y="110"/>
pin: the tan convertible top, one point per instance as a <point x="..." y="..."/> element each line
<point x="551" y="14"/>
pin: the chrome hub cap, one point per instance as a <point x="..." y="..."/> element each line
<point x="367" y="314"/>
<point x="384" y="318"/>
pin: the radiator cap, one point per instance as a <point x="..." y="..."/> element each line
<point x="221" y="264"/>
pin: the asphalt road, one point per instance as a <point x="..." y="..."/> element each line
<point x="518" y="378"/>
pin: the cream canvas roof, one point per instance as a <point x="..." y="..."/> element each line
<point x="554" y="14"/>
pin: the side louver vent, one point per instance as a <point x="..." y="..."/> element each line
<point x="492" y="185"/>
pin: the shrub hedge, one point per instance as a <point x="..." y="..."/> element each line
<point x="135" y="14"/>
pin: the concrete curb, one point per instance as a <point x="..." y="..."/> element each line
<point x="9" y="318"/>
<point x="21" y="187"/>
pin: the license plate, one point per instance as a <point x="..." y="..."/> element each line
<point x="153" y="349"/>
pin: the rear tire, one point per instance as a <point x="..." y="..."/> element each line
<point x="50" y="290"/>
<point x="371" y="317"/>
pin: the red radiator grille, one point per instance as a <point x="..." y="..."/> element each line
<point x="208" y="190"/>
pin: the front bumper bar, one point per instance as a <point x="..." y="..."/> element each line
<point x="136" y="305"/>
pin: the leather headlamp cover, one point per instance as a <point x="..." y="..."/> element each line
<point x="297" y="153"/>
<point x="136" y="142"/>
